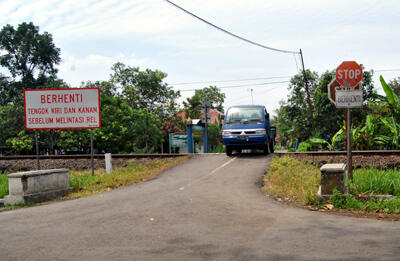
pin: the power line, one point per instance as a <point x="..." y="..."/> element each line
<point x="231" y="34"/>
<point x="387" y="70"/>
<point x="243" y="85"/>
<point x="235" y="80"/>
<point x="242" y="98"/>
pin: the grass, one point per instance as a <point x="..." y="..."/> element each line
<point x="293" y="179"/>
<point x="350" y="202"/>
<point x="3" y="185"/>
<point x="84" y="184"/>
<point x="374" y="181"/>
<point x="299" y="181"/>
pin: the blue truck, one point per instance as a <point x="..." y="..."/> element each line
<point x="248" y="127"/>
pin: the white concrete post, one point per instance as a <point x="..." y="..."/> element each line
<point x="108" y="163"/>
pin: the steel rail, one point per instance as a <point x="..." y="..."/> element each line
<point x="132" y="156"/>
<point x="356" y="152"/>
<point x="87" y="156"/>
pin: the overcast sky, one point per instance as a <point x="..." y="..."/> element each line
<point x="93" y="35"/>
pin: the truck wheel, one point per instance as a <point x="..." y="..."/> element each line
<point x="266" y="150"/>
<point x="271" y="146"/>
<point x="228" y="151"/>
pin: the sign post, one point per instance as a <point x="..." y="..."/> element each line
<point x="206" y="106"/>
<point x="37" y="150"/>
<point x="71" y="108"/>
<point x="91" y="151"/>
<point x="345" y="92"/>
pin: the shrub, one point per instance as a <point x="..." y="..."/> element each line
<point x="304" y="147"/>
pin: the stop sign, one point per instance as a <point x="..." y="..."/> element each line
<point x="349" y="74"/>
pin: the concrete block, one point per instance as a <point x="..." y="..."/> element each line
<point x="108" y="163"/>
<point x="333" y="176"/>
<point x="37" y="186"/>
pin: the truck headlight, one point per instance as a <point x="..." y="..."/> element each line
<point x="226" y="133"/>
<point x="261" y="132"/>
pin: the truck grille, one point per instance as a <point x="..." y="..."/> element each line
<point x="243" y="132"/>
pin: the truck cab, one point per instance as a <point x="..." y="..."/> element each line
<point x="247" y="127"/>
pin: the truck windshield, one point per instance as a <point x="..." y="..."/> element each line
<point x="244" y="115"/>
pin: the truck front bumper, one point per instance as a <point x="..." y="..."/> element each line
<point x="245" y="141"/>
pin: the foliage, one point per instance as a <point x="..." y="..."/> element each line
<point x="298" y="181"/>
<point x="210" y="94"/>
<point x="3" y="185"/>
<point x="145" y="89"/>
<point x="304" y="146"/>
<point x="287" y="134"/>
<point x="381" y="127"/>
<point x="296" y="107"/>
<point x="84" y="184"/>
<point x="374" y="181"/>
<point x="11" y="122"/>
<point x="395" y="85"/>
<point x="215" y="137"/>
<point x="327" y="117"/>
<point x="21" y="142"/>
<point x="193" y="109"/>
<point x="392" y="99"/>
<point x="387" y="206"/>
<point x="292" y="117"/>
<point x="29" y="57"/>
<point x="291" y="178"/>
<point x="331" y="145"/>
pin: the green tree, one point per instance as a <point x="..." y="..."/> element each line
<point x="123" y="128"/>
<point x="328" y="119"/>
<point x="395" y="85"/>
<point x="287" y="134"/>
<point x="215" y="136"/>
<point x="210" y="94"/>
<point x="11" y="122"/>
<point x="145" y="89"/>
<point x="4" y="87"/>
<point x="21" y="142"/>
<point x="28" y="55"/>
<point x="296" y="107"/>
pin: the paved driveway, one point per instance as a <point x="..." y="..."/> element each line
<point x="209" y="208"/>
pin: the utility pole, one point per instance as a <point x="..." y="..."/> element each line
<point x="309" y="103"/>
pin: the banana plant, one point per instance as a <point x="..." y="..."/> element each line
<point x="330" y="145"/>
<point x="392" y="99"/>
<point x="367" y="135"/>
<point x="389" y="123"/>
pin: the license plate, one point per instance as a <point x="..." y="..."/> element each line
<point x="244" y="138"/>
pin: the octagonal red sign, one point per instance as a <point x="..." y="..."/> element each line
<point x="349" y="74"/>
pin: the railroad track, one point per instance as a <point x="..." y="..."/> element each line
<point x="133" y="156"/>
<point x="88" y="156"/>
<point x="330" y="153"/>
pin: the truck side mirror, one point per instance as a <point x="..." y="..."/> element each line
<point x="267" y="116"/>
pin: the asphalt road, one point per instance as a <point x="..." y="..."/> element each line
<point x="209" y="208"/>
